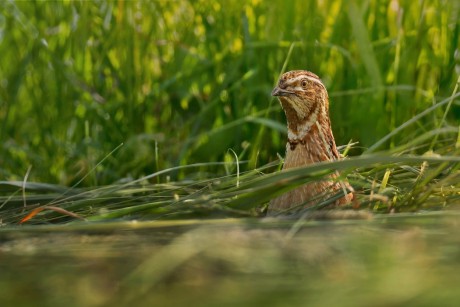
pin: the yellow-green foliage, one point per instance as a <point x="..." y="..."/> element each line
<point x="193" y="79"/>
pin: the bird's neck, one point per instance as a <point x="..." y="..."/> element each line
<point x="310" y="138"/>
<point x="304" y="124"/>
<point x="298" y="129"/>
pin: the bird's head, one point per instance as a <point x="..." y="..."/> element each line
<point x="303" y="97"/>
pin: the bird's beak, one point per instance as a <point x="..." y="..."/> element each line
<point x="281" y="92"/>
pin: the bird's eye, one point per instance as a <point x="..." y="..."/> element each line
<point x="304" y="83"/>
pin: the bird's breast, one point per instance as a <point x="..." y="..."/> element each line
<point x="307" y="151"/>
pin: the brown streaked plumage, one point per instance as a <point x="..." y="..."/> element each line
<point x="305" y="102"/>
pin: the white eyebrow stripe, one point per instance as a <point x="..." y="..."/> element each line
<point x="294" y="80"/>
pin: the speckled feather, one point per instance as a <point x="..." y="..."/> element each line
<point x="310" y="140"/>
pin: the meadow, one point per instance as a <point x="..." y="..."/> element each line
<point x="154" y="103"/>
<point x="140" y="146"/>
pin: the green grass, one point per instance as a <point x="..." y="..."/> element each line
<point x="393" y="259"/>
<point x="94" y="95"/>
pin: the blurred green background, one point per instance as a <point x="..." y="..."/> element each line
<point x="181" y="82"/>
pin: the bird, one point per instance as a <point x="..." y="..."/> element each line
<point x="305" y="102"/>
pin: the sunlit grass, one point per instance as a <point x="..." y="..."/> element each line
<point x="391" y="181"/>
<point x="129" y="110"/>
<point x="180" y="83"/>
<point x="384" y="184"/>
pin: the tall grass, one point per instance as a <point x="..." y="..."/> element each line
<point x="181" y="83"/>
